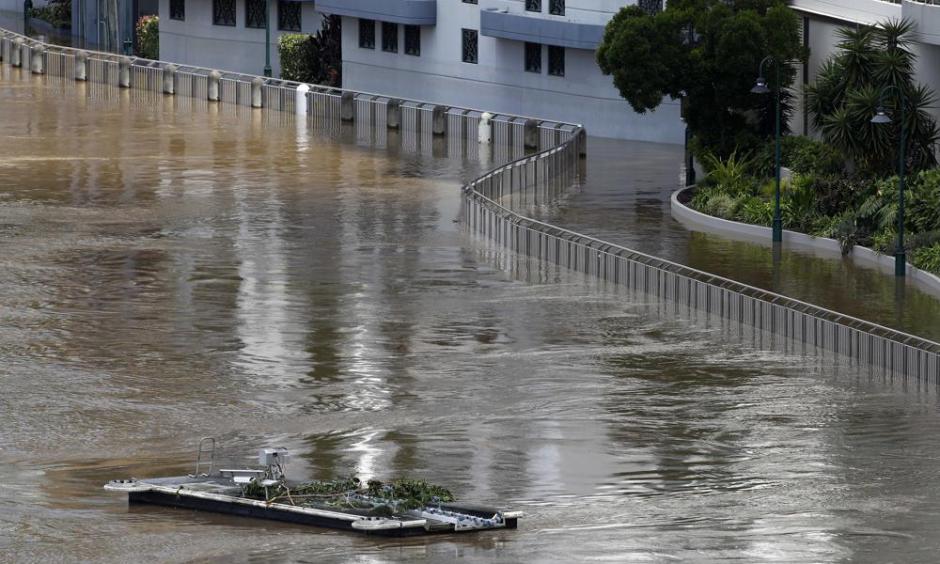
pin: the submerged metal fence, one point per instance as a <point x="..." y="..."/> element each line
<point x="491" y="199"/>
<point x="537" y="178"/>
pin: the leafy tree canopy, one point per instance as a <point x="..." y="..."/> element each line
<point x="707" y="51"/>
<point x="872" y="62"/>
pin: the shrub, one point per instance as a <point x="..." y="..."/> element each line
<point x="927" y="258"/>
<point x="798" y="208"/>
<point x="885" y="241"/>
<point x="802" y="155"/>
<point x="148" y="37"/>
<point x="757" y="211"/>
<point x="924" y="210"/>
<point x="57" y="12"/>
<point x="316" y="59"/>
<point x="730" y="174"/>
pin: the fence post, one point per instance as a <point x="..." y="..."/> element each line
<point x="213" y="85"/>
<point x="300" y="102"/>
<point x="124" y="72"/>
<point x="81" y="65"/>
<point x="169" y="79"/>
<point x="485" y="130"/>
<point x="38" y="62"/>
<point x="256" y="84"/>
<point x="16" y="57"/>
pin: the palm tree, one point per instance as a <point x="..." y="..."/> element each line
<point x="849" y="90"/>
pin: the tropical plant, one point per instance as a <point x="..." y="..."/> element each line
<point x="924" y="211"/>
<point x="730" y="174"/>
<point x="148" y="37"/>
<point x="928" y="258"/>
<point x="317" y="59"/>
<point x="706" y="52"/>
<point x="874" y="66"/>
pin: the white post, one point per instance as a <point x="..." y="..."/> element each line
<point x="169" y="79"/>
<point x="256" y="98"/>
<point x="300" y="103"/>
<point x="213" y="90"/>
<point x="486" y="128"/>
<point x="38" y="60"/>
<point x="81" y="65"/>
<point x="17" y="52"/>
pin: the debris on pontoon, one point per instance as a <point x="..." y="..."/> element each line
<point x="398" y="508"/>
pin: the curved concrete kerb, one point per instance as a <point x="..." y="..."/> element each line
<point x="213" y="89"/>
<point x="300" y="103"/>
<point x="863" y="256"/>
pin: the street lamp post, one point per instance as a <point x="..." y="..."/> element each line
<point x="900" y="255"/>
<point x="267" y="37"/>
<point x="761" y="88"/>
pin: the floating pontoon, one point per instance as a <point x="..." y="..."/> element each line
<point x="378" y="509"/>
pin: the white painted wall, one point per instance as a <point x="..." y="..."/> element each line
<point x="499" y="82"/>
<point x="196" y="41"/>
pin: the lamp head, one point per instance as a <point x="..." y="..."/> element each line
<point x="880" y="116"/>
<point x="761" y="86"/>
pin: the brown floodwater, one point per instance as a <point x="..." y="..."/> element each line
<point x="170" y="271"/>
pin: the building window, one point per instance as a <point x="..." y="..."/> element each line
<point x="389" y="37"/>
<point x="556" y="60"/>
<point x="413" y="40"/>
<point x="533" y="57"/>
<point x="256" y="13"/>
<point x="178" y="10"/>
<point x="651" y="7"/>
<point x="470" y="46"/>
<point x="367" y="34"/>
<point x="223" y="12"/>
<point x="469" y="1"/>
<point x="288" y="15"/>
<point x="556" y="7"/>
<point x="533" y="5"/>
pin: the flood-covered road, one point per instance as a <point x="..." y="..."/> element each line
<point x="168" y="273"/>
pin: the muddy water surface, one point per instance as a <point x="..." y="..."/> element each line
<point x="168" y="273"/>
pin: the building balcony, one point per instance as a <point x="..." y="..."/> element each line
<point x="926" y="13"/>
<point x="539" y="28"/>
<point x="408" y="12"/>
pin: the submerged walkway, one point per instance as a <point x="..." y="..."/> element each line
<point x="625" y="200"/>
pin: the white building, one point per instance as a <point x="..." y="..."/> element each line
<point x="230" y="34"/>
<point x="523" y="57"/>
<point x="821" y="19"/>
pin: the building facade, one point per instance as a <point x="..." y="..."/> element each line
<point x="524" y="57"/>
<point x="822" y="19"/>
<point x="230" y="34"/>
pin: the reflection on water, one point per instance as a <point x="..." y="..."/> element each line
<point x="170" y="273"/>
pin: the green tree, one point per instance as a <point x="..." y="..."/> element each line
<point x="317" y="59"/>
<point x="849" y="90"/>
<point x="707" y="52"/>
<point x="148" y="37"/>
